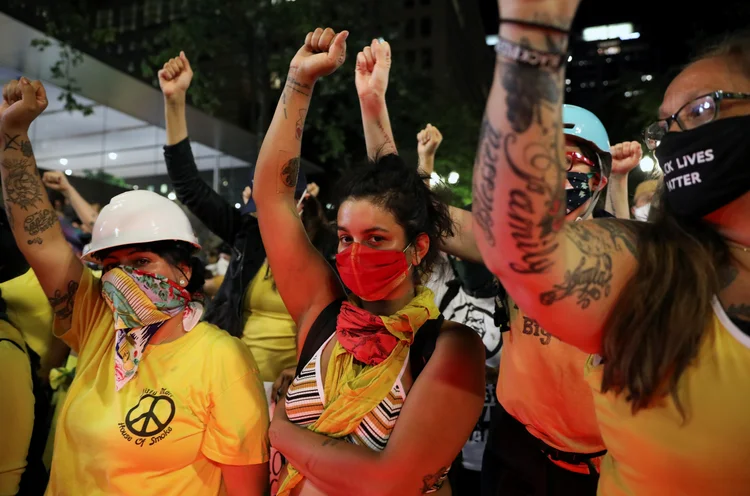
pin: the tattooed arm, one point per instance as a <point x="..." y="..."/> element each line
<point x="371" y="79"/>
<point x="32" y="218"/>
<point x="566" y="276"/>
<point x="304" y="279"/>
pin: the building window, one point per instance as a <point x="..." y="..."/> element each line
<point x="152" y="10"/>
<point x="410" y="28"/>
<point x="128" y="18"/>
<point x="426" y="58"/>
<point x="411" y="57"/>
<point x="425" y="27"/>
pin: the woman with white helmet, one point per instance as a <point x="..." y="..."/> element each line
<point x="162" y="403"/>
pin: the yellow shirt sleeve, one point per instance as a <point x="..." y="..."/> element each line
<point x="237" y="429"/>
<point x="16" y="414"/>
<point x="89" y="309"/>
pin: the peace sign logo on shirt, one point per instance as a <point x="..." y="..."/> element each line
<point x="151" y="415"/>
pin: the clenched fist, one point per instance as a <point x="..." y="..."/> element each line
<point x="324" y="51"/>
<point x="373" y="70"/>
<point x="428" y="140"/>
<point x="175" y="77"/>
<point x="625" y="157"/>
<point x="23" y="101"/>
<point x="57" y="181"/>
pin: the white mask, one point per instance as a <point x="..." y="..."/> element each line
<point x="641" y="213"/>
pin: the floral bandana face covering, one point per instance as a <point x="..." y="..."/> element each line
<point x="142" y="303"/>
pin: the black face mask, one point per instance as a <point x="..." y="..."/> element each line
<point x="476" y="279"/>
<point x="579" y="194"/>
<point x="707" y="167"/>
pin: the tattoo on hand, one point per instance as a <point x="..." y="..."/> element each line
<point x="429" y="481"/>
<point x="485" y="167"/>
<point x="11" y="142"/>
<point x="297" y="86"/>
<point x="39" y="222"/>
<point x="289" y="172"/>
<point x="62" y="303"/>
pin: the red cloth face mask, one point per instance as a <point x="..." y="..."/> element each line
<point x="369" y="273"/>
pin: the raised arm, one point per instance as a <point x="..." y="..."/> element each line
<point x="625" y="157"/>
<point x="57" y="181"/>
<point x="305" y="281"/>
<point x="565" y="275"/>
<point x="371" y="79"/>
<point x="428" y="141"/>
<point x="209" y="206"/>
<point x="31" y="216"/>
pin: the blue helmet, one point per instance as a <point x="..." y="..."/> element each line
<point x="582" y="125"/>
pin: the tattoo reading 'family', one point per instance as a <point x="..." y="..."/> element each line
<point x="485" y="172"/>
<point x="289" y="172"/>
<point x="39" y="222"/>
<point x="62" y="303"/>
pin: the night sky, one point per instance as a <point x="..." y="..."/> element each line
<point x="670" y="25"/>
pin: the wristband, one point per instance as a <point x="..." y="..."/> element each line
<point x="530" y="56"/>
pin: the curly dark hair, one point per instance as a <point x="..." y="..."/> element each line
<point x="389" y="183"/>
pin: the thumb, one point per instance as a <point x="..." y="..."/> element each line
<point x="338" y="47"/>
<point x="28" y="93"/>
<point x="383" y="54"/>
<point x="187" y="62"/>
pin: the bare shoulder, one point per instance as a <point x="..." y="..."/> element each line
<point x="460" y="341"/>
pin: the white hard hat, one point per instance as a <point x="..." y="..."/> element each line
<point x="138" y="217"/>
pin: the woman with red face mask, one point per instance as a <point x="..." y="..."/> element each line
<point x="386" y="391"/>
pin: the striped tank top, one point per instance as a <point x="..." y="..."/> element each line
<point x="305" y="400"/>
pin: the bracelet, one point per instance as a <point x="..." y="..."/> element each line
<point x="535" y="25"/>
<point x="530" y="56"/>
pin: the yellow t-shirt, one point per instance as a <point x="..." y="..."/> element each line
<point x="542" y="385"/>
<point x="30" y="311"/>
<point x="653" y="453"/>
<point x="17" y="412"/>
<point x="269" y="331"/>
<point x="195" y="402"/>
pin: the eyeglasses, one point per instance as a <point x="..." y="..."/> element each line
<point x="573" y="158"/>
<point x="693" y="114"/>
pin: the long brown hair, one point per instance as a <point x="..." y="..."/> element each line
<point x="660" y="320"/>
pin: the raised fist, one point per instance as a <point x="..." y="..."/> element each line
<point x="175" y="77"/>
<point x="23" y="101"/>
<point x="625" y="157"/>
<point x="372" y="71"/>
<point x="428" y="140"/>
<point x="324" y="51"/>
<point x="56" y="180"/>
